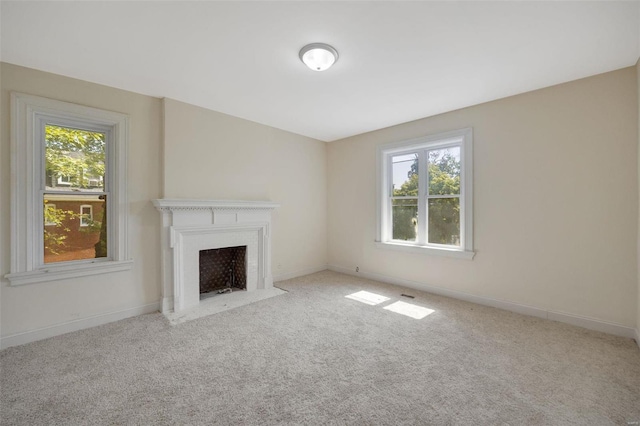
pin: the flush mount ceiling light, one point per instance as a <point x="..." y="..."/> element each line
<point x="318" y="56"/>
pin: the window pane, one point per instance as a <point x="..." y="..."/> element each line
<point x="50" y="214"/>
<point x="405" y="175"/>
<point x="444" y="171"/>
<point x="86" y="215"/>
<point x="74" y="160"/>
<point x="70" y="235"/>
<point x="405" y="219"/>
<point x="444" y="221"/>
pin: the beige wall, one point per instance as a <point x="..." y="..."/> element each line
<point x="556" y="200"/>
<point x="216" y="156"/>
<point x="556" y="195"/>
<point x="35" y="306"/>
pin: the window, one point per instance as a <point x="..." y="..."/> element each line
<point x="64" y="180"/>
<point x="50" y="214"/>
<point x="86" y="215"/>
<point x="75" y="156"/>
<point x="425" y="199"/>
<point x="69" y="210"/>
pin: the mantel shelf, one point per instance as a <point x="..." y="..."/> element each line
<point x="171" y="204"/>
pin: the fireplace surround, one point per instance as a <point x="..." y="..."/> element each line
<point x="191" y="226"/>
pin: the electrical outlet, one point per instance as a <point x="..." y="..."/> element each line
<point x="357" y="269"/>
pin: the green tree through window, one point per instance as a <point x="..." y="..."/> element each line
<point x="74" y="176"/>
<point x="443" y="212"/>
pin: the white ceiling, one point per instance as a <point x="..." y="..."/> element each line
<point x="399" y="61"/>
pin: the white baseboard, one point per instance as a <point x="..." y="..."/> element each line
<point x="75" y="325"/>
<point x="589" y="323"/>
<point x="296" y="274"/>
<point x="592" y="324"/>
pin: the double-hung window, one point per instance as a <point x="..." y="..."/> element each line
<point x="425" y="197"/>
<point x="69" y="201"/>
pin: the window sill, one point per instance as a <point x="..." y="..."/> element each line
<point x="54" y="273"/>
<point x="458" y="254"/>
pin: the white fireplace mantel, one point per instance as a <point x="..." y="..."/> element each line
<point x="191" y="225"/>
<point x="177" y="204"/>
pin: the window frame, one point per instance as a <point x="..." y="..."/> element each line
<point x="51" y="206"/>
<point x="62" y="182"/>
<point x="462" y="138"/>
<point x="29" y="115"/>
<point x="89" y="215"/>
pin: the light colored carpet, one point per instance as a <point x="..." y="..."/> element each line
<point x="313" y="356"/>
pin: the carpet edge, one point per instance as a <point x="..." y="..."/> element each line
<point x="567" y="318"/>
<point x="75" y="325"/>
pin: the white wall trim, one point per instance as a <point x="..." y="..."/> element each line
<point x="65" y="272"/>
<point x="589" y="323"/>
<point x="75" y="325"/>
<point x="638" y="336"/>
<point x="592" y="324"/>
<point x="412" y="248"/>
<point x="296" y="274"/>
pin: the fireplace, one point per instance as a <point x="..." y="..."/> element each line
<point x="222" y="270"/>
<point x="191" y="227"/>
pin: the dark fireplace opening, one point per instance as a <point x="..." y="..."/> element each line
<point x="222" y="270"/>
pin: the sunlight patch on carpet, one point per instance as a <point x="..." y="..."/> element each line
<point x="367" y="297"/>
<point x="409" y="309"/>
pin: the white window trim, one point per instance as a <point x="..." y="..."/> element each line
<point x="82" y="215"/>
<point x="63" y="182"/>
<point x="52" y="207"/>
<point x="464" y="138"/>
<point x="28" y="114"/>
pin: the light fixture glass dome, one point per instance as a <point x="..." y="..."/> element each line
<point x="318" y="56"/>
